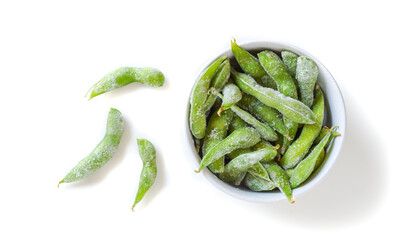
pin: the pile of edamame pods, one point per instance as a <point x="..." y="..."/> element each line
<point x="260" y="126"/>
<point x="107" y="147"/>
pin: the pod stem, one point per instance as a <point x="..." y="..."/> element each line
<point x="60" y="183"/>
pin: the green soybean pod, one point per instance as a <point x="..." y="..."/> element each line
<point x="289" y="172"/>
<point x="290" y="60"/>
<point x="320" y="158"/>
<point x="281" y="179"/>
<point x="259" y="171"/>
<point x="215" y="132"/>
<point x="306" y="76"/>
<point x="124" y="76"/>
<point x="235" y="153"/>
<point x="264" y="144"/>
<point x="218" y="81"/>
<point x="199" y="93"/>
<point x="258" y="185"/>
<point x="242" y="163"/>
<point x="304" y="169"/>
<point x="265" y="130"/>
<point x="147" y="153"/>
<point x="240" y="178"/>
<point x="275" y="68"/>
<point x="231" y="96"/>
<point x="237" y="123"/>
<point x="319" y="161"/>
<point x="289" y="107"/>
<point x="264" y="113"/>
<point x="240" y="138"/>
<point x="103" y="152"/>
<point x="321" y="135"/>
<point x="251" y="66"/>
<point x="299" y="148"/>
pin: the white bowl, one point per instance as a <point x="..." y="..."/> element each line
<point x="334" y="116"/>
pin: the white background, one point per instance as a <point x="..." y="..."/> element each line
<point x="51" y="52"/>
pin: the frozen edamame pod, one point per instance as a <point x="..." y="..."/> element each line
<point x="240" y="138"/>
<point x="320" y="158"/>
<point x="299" y="148"/>
<point x="321" y="135"/>
<point x="240" y="178"/>
<point x="124" y="76"/>
<point x="265" y="130"/>
<point x="199" y="93"/>
<point x="258" y="185"/>
<point x="264" y="144"/>
<point x="243" y="163"/>
<point x="218" y="81"/>
<point x="290" y="60"/>
<point x="102" y="153"/>
<point x="264" y="113"/>
<point x="237" y="123"/>
<point x="275" y="68"/>
<point x="215" y="132"/>
<point x="259" y="171"/>
<point x="289" y="107"/>
<point x="251" y="66"/>
<point x="147" y="153"/>
<point x="231" y="96"/>
<point x="319" y="161"/>
<point x="278" y="175"/>
<point x="306" y="76"/>
<point x="304" y="169"/>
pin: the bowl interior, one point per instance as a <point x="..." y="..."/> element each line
<point x="334" y="116"/>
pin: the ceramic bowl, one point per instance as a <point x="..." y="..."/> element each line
<point x="334" y="116"/>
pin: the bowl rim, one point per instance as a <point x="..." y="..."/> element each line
<point x="251" y="196"/>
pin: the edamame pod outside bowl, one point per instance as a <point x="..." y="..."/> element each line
<point x="334" y="116"/>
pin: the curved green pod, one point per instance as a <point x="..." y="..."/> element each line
<point x="319" y="161"/>
<point x="259" y="171"/>
<point x="251" y="66"/>
<point x="306" y="76"/>
<point x="220" y="78"/>
<point x="215" y="132"/>
<point x="264" y="113"/>
<point x="236" y="123"/>
<point x="147" y="153"/>
<point x="243" y="163"/>
<point x="281" y="179"/>
<point x="231" y="96"/>
<point x="258" y="185"/>
<point x="199" y="93"/>
<point x="240" y="138"/>
<point x="265" y="130"/>
<point x="103" y="152"/>
<point x="264" y="144"/>
<point x="240" y="178"/>
<point x="304" y="169"/>
<point x="275" y="68"/>
<point x="124" y="76"/>
<point x="299" y="148"/>
<point x="290" y="60"/>
<point x="289" y="107"/>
